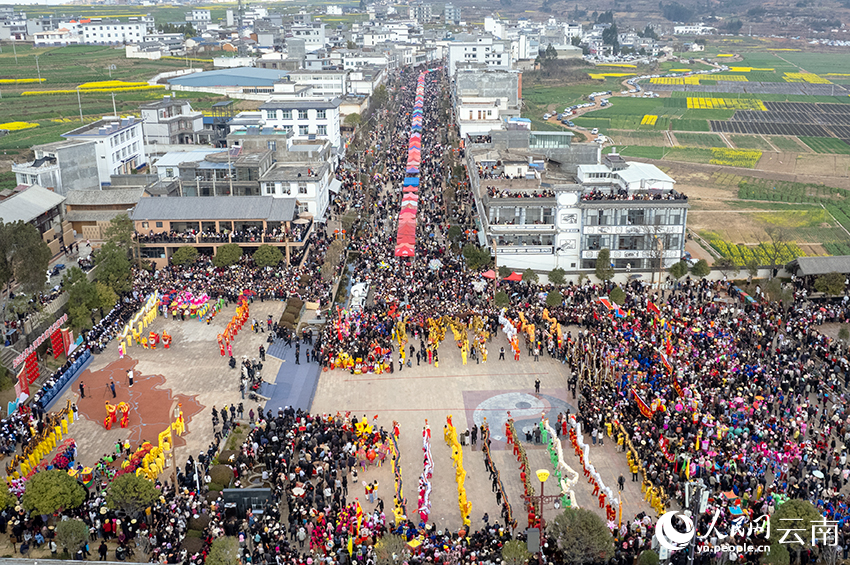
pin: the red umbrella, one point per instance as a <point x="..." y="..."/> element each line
<point x="514" y="276"/>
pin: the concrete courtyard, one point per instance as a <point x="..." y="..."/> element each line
<point x="194" y="371"/>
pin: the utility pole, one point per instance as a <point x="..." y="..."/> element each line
<point x="37" y="68"/>
<point x="80" y="104"/>
<point x="14" y="50"/>
<point x="114" y="111"/>
<point x="229" y="172"/>
<point x="694" y="507"/>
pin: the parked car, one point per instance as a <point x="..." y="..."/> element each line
<point x="594" y="131"/>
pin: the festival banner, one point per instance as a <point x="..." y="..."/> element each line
<point x="643" y="406"/>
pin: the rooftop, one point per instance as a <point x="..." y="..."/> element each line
<point x="820" y="265"/>
<point x="237" y="76"/>
<point x="108" y="197"/>
<point x="164" y="103"/>
<point x="266" y="208"/>
<point x="107" y="126"/>
<point x="309" y="104"/>
<point x="28" y="204"/>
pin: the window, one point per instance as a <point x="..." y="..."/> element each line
<point x="322" y="130"/>
<point x="271" y="114"/>
<point x="286" y="114"/>
<point x="269" y="189"/>
<point x="159" y="224"/>
<point x="320" y="114"/>
<point x="302" y="114"/>
<point x="302" y="188"/>
<point x="169" y="172"/>
<point x="287" y="128"/>
<point x="145" y="225"/>
<point x="272" y="145"/>
<point x="302" y="130"/>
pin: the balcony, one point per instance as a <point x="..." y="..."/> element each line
<point x="525" y="249"/>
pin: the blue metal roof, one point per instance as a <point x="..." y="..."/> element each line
<point x="238" y="76"/>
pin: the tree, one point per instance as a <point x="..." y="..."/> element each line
<point x="391" y="549"/>
<point x="24" y="258"/>
<point x="778" y="555"/>
<point x="752" y="266"/>
<point x="529" y="275"/>
<point x="131" y="494"/>
<point x="454" y="232"/>
<point x="725" y="265"/>
<point x="610" y="36"/>
<point x="352" y="120"/>
<point x="515" y="552"/>
<point x="52" y="491"/>
<point x="476" y="257"/>
<point x="227" y="255"/>
<point x="581" y="537"/>
<point x="71" y="534"/>
<point x="701" y="269"/>
<point x="776" y="247"/>
<point x="803" y="515"/>
<point x="120" y="231"/>
<point x="648" y="557"/>
<point x="267" y="256"/>
<point x="7" y="499"/>
<point x="557" y="276"/>
<point x="604" y="268"/>
<point x="113" y="267"/>
<point x="333" y="256"/>
<point x="504" y="272"/>
<point x="350" y="44"/>
<point x="830" y="283"/>
<point x="224" y="551"/>
<point x="678" y="270"/>
<point x="184" y="255"/>
<point x="617" y="295"/>
<point x="106" y="297"/>
<point x="844" y="334"/>
<point x="502" y="299"/>
<point x="82" y="298"/>
<point x="554" y="298"/>
<point x="380" y="97"/>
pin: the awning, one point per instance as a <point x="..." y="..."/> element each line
<point x="335" y="185"/>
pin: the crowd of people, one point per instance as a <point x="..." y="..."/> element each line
<point x="691" y="383"/>
<point x="494" y="192"/>
<point x="624" y="194"/>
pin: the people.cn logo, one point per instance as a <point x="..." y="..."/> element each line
<point x="670" y="537"/>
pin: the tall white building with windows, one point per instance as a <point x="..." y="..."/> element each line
<point x="112" y="32"/>
<point x="493" y="53"/>
<point x="119" y="145"/>
<point x="310" y="118"/>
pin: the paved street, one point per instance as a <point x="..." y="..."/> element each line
<point x="469" y="393"/>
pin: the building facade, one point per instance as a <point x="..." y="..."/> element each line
<point x="305" y="118"/>
<point x="61" y="166"/>
<point x="172" y="121"/>
<point x="119" y="145"/>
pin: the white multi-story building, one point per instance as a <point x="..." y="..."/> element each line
<point x="120" y="145"/>
<point x="171" y="121"/>
<point x="354" y="58"/>
<point x="325" y="83"/>
<point x="112" y="32"/>
<point x="200" y="19"/>
<point x="546" y="203"/>
<point x="693" y="29"/>
<point x="61" y="37"/>
<point x="305" y="118"/>
<point x="478" y="116"/>
<point x="313" y="35"/>
<point x="494" y="53"/>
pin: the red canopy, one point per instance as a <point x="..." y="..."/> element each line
<point x="514" y="276"/>
<point x="406" y="228"/>
<point x="410" y="189"/>
<point x="404" y="250"/>
<point x="489" y="274"/>
<point x="408" y="212"/>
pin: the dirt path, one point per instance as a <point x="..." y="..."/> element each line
<point x="726" y="141"/>
<point x="837" y="182"/>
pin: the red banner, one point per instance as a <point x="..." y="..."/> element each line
<point x="57" y="344"/>
<point x="643" y="406"/>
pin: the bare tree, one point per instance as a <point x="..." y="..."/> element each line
<point x="776" y="246"/>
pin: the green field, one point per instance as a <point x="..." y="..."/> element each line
<point x="699" y="140"/>
<point x="67" y="67"/>
<point x="689" y="125"/>
<point x="750" y="142"/>
<point x="826" y="145"/>
<point x="788" y="144"/>
<point x="644" y="152"/>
